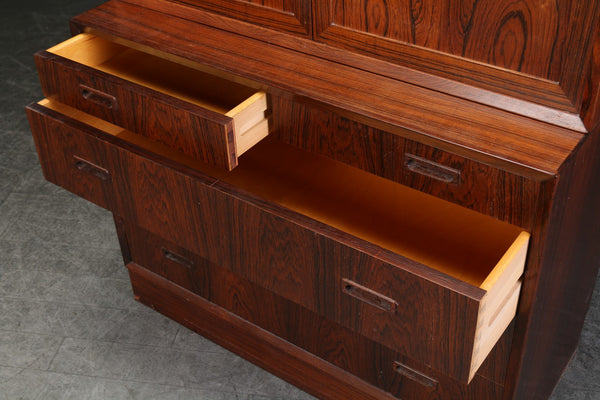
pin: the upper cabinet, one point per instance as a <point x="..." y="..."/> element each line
<point x="537" y="58"/>
<point x="534" y="50"/>
<point x="286" y="15"/>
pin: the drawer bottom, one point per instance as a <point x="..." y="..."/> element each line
<point x="285" y="338"/>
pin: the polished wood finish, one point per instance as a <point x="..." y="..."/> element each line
<point x="441" y="60"/>
<point x="498" y="138"/>
<point x="561" y="277"/>
<point x="295" y="257"/>
<point x="379" y="236"/>
<point x="475" y="185"/>
<point x="202" y="115"/>
<point x="78" y="163"/>
<point x="535" y="50"/>
<point x="297" y="325"/>
<point x="292" y="16"/>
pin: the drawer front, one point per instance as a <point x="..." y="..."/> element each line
<point x="70" y="159"/>
<point x="437" y="172"/>
<point x="340" y="346"/>
<point x="258" y="245"/>
<point x="430" y="318"/>
<point x="143" y="103"/>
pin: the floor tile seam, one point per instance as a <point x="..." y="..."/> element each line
<point x="69" y="245"/>
<point x="56" y="353"/>
<point x="64" y="303"/>
<point x="177" y="349"/>
<point x="98" y="377"/>
<point x="105" y="341"/>
<point x="70" y="276"/>
<point x="183" y="385"/>
<point x="186" y="386"/>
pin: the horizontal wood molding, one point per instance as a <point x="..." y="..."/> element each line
<point x="492" y="136"/>
<point x="532" y="50"/>
<point x="253" y="343"/>
<point x="545" y="99"/>
<point x="291" y="16"/>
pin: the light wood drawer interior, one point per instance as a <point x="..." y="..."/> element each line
<point x="244" y="105"/>
<point x="473" y="255"/>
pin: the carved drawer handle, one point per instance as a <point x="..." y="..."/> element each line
<point x="91" y="168"/>
<point x="369" y="296"/>
<point x="431" y="169"/>
<point x="100" y="98"/>
<point x="414" y="375"/>
<point x="176" y="258"/>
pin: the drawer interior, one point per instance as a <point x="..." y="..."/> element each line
<point x="464" y="244"/>
<point x="181" y="81"/>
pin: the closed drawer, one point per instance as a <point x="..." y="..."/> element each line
<point x="337" y="345"/>
<point x="76" y="162"/>
<point x="429" y="279"/>
<point x="200" y="114"/>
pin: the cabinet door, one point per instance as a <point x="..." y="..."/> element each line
<point x="286" y="15"/>
<point x="530" y="49"/>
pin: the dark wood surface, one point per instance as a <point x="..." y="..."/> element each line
<point x="493" y="136"/>
<point x="294" y="256"/>
<point x="275" y="250"/>
<point x="250" y="341"/>
<point x="78" y="163"/>
<point x="560" y="278"/>
<point x="530" y="172"/>
<point x="191" y="129"/>
<point x="539" y="51"/>
<point x="442" y="71"/>
<point x="292" y="16"/>
<point x="300" y="327"/>
<point x="475" y="185"/>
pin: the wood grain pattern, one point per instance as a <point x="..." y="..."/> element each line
<point x="193" y="130"/>
<point x="501" y="138"/>
<point x="482" y="188"/>
<point x="291" y="363"/>
<point x="275" y="250"/>
<point x="532" y="49"/>
<point x="291" y="322"/>
<point x="292" y="16"/>
<point x="554" y="298"/>
<point x="60" y="145"/>
<point x="514" y="100"/>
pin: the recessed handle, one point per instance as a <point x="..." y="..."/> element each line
<point x="97" y="97"/>
<point x="90" y="168"/>
<point x="176" y="258"/>
<point x="414" y="375"/>
<point x="431" y="169"/>
<point x="369" y="296"/>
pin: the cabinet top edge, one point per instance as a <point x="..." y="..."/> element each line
<point x="518" y="144"/>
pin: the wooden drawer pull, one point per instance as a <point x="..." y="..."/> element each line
<point x="431" y="169"/>
<point x="91" y="169"/>
<point x="176" y="258"/>
<point x="369" y="296"/>
<point x="95" y="96"/>
<point x="414" y="375"/>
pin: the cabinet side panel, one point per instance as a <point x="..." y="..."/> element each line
<point x="560" y="278"/>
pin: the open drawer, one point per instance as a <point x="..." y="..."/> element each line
<point x="426" y="278"/>
<point x="200" y="114"/>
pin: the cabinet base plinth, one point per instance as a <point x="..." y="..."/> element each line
<point x="264" y="349"/>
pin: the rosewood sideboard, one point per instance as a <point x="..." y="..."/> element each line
<point x="372" y="199"/>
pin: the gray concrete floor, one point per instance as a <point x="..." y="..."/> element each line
<point x="69" y="327"/>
